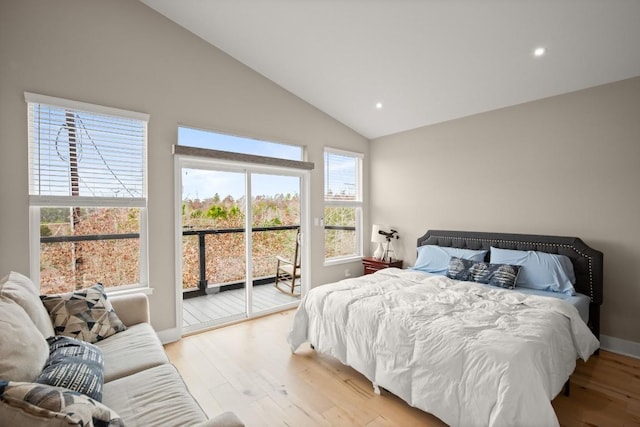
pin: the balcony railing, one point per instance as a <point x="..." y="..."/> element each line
<point x="203" y="280"/>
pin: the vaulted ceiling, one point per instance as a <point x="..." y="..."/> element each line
<point x="422" y="61"/>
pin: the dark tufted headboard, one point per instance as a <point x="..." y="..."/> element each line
<point x="587" y="262"/>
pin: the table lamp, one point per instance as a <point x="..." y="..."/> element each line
<point x="377" y="237"/>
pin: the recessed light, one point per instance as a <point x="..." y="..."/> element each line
<point x="378" y="105"/>
<point x="539" y="51"/>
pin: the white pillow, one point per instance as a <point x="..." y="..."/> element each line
<point x="23" y="349"/>
<point x="26" y="294"/>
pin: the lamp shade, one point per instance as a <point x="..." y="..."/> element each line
<point x="376" y="237"/>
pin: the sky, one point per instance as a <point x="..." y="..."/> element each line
<point x="203" y="184"/>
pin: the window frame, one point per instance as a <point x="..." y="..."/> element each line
<point x="38" y="201"/>
<point x="357" y="204"/>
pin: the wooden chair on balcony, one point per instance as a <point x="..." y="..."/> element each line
<point x="288" y="271"/>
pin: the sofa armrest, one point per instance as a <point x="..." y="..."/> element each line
<point x="226" y="419"/>
<point x="131" y="308"/>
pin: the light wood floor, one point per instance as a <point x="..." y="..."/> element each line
<point x="249" y="369"/>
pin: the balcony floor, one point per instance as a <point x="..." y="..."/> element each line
<point x="214" y="309"/>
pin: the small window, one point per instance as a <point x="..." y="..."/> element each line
<point x="343" y="205"/>
<point x="87" y="195"/>
<point x="236" y="144"/>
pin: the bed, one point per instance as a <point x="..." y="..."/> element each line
<point x="468" y="353"/>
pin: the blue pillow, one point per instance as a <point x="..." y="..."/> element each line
<point x="75" y="365"/>
<point x="435" y="259"/>
<point x="540" y="270"/>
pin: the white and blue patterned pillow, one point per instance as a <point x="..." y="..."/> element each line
<point x="460" y="269"/>
<point x="501" y="275"/>
<point x="28" y="400"/>
<point x="74" y="364"/>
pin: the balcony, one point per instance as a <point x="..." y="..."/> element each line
<point x="213" y="265"/>
<point x="230" y="305"/>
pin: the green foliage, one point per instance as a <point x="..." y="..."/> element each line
<point x="271" y="223"/>
<point x="45" y="231"/>
<point x="217" y="212"/>
<point x="342" y="216"/>
<point x="51" y="215"/>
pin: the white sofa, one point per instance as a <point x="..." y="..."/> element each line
<point x="140" y="384"/>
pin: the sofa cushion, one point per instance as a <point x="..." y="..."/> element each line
<point x="30" y="404"/>
<point x="23" y="349"/>
<point x="131" y="351"/>
<point x="86" y="314"/>
<point x="153" y="397"/>
<point x="74" y="364"/>
<point x="25" y="293"/>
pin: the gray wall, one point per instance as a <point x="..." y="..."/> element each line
<point x="567" y="165"/>
<point x="122" y="54"/>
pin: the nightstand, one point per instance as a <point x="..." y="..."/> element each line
<point x="371" y="265"/>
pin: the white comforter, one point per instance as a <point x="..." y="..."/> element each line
<point x="469" y="354"/>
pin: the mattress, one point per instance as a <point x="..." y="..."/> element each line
<point x="579" y="301"/>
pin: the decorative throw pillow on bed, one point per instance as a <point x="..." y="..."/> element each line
<point x="84" y="314"/>
<point x="460" y="269"/>
<point x="435" y="259"/>
<point x="22" y="403"/>
<point x="540" y="270"/>
<point x="74" y="364"/>
<point x="501" y="275"/>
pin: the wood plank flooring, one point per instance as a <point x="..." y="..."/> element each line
<point x="209" y="310"/>
<point x="249" y="369"/>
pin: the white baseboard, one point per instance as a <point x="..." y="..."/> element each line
<point x="169" y="335"/>
<point x="620" y="346"/>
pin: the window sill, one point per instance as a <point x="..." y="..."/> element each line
<point x="345" y="260"/>
<point x="132" y="290"/>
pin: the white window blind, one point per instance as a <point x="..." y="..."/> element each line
<point x="341" y="176"/>
<point x="91" y="154"/>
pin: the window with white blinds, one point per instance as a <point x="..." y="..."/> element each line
<point x="342" y="171"/>
<point x="87" y="152"/>
<point x="343" y="205"/>
<point x="87" y="195"/>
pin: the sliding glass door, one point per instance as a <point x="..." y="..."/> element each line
<point x="240" y="229"/>
<point x="275" y="241"/>
<point x="213" y="242"/>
